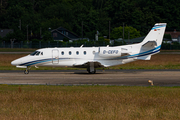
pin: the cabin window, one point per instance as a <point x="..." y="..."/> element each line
<point x="84" y="52"/>
<point x="70" y="52"/>
<point x="35" y="53"/>
<point x="32" y="54"/>
<point x="93" y="52"/>
<point x="77" y="52"/>
<point x="62" y="53"/>
<point x="41" y="53"/>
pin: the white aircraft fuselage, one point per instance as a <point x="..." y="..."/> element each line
<point x="95" y="57"/>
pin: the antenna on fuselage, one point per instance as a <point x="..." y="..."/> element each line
<point x="81" y="46"/>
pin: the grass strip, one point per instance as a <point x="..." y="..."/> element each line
<point x="89" y="102"/>
<point x="17" y="50"/>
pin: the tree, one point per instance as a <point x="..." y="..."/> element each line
<point x="3" y="6"/>
<point x="128" y="31"/>
<point x="167" y="36"/>
<point x="18" y="35"/>
<point x="47" y="36"/>
<point x="95" y="15"/>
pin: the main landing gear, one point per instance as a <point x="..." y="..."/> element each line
<point x="91" y="68"/>
<point x="27" y="70"/>
<point x="91" y="71"/>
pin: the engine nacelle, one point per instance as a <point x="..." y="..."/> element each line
<point x="109" y="52"/>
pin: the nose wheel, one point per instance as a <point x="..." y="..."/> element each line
<point x="26" y="71"/>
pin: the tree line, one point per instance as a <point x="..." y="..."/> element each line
<point x="39" y="15"/>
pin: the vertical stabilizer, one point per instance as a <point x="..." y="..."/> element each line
<point x="152" y="42"/>
<point x="156" y="34"/>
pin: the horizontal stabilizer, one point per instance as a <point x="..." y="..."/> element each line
<point x="148" y="57"/>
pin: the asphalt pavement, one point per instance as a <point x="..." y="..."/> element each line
<point x="81" y="77"/>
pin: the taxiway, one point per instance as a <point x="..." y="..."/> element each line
<point x="81" y="77"/>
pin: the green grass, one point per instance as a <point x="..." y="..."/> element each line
<point x="89" y="102"/>
<point x="16" y="50"/>
<point x="126" y="67"/>
<point x="170" y="50"/>
<point x="39" y="68"/>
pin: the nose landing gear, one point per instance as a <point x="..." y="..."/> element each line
<point x="27" y="70"/>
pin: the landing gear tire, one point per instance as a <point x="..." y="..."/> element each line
<point x="92" y="72"/>
<point x="26" y="72"/>
<point x="88" y="70"/>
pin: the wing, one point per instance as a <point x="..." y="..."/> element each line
<point x="87" y="64"/>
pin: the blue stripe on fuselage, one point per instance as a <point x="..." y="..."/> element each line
<point x="39" y="61"/>
<point x="157" y="49"/>
<point x="145" y="52"/>
<point x="34" y="62"/>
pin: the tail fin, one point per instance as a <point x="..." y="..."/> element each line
<point x="149" y="46"/>
<point x="152" y="42"/>
<point x="155" y="36"/>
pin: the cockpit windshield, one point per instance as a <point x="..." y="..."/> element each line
<point x="36" y="53"/>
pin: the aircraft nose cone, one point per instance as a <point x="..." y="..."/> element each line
<point x="15" y="62"/>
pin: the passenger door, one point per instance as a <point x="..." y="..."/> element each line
<point x="55" y="56"/>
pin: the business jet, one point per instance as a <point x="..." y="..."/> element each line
<point x="95" y="57"/>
